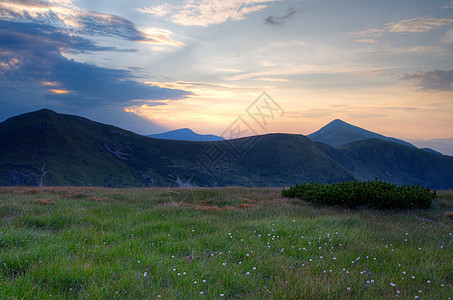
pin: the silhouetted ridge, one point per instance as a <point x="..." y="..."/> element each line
<point x="48" y="148"/>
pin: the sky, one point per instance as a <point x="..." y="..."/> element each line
<point x="152" y="66"/>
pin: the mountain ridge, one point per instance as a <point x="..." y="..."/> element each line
<point x="338" y="133"/>
<point x="47" y="148"/>
<point x="186" y="134"/>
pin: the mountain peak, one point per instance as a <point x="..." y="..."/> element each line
<point x="186" y="134"/>
<point x="42" y="112"/>
<point x="338" y="133"/>
<point x="188" y="130"/>
<point x="337" y="121"/>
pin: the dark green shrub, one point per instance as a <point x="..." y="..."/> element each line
<point x="378" y="194"/>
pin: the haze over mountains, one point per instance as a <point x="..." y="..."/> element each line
<point x="186" y="134"/>
<point x="335" y="134"/>
<point x="444" y="146"/>
<point x="48" y="148"/>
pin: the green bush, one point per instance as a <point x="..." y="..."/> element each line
<point x="378" y="194"/>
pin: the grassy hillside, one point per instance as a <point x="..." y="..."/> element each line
<point x="58" y="150"/>
<point x="374" y="158"/>
<point x="216" y="243"/>
<point x="78" y="152"/>
<point x="400" y="164"/>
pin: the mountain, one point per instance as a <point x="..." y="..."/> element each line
<point x="444" y="146"/>
<point x="431" y="151"/>
<point x="47" y="148"/>
<point x="338" y="133"/>
<point x="56" y="149"/>
<point x="185" y="134"/>
<point x="400" y="164"/>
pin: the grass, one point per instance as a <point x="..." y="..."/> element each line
<point x="217" y="243"/>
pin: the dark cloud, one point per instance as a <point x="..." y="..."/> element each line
<point x="437" y="80"/>
<point x="33" y="72"/>
<point x="110" y="25"/>
<point x="27" y="36"/>
<point x="88" y="22"/>
<point x="276" y="21"/>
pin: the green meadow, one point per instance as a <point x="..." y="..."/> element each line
<point x="217" y="243"/>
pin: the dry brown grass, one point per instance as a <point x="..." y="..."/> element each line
<point x="99" y="199"/>
<point x="44" y="201"/>
<point x="209" y="201"/>
<point x="214" y="208"/>
<point x="32" y="192"/>
<point x="247" y="200"/>
<point x="246" y="205"/>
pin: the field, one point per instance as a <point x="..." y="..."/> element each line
<point x="217" y="243"/>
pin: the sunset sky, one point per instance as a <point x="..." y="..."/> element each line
<point x="153" y="66"/>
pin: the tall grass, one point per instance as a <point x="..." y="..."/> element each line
<point x="217" y="243"/>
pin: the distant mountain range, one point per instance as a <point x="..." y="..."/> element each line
<point x="335" y="134"/>
<point x="185" y="134"/>
<point x="47" y="148"/>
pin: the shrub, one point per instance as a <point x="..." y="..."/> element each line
<point x="378" y="194"/>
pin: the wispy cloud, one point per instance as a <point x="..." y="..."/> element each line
<point x="206" y="89"/>
<point x="421" y="49"/>
<point x="448" y="38"/>
<point x="449" y="5"/>
<point x="367" y="41"/>
<point x="278" y="21"/>
<point x="437" y="80"/>
<point x="207" y="12"/>
<point x="64" y="14"/>
<point x="408" y="26"/>
<point x="272" y="79"/>
<point x="275" y="73"/>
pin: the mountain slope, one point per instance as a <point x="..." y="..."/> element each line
<point x="48" y="148"/>
<point x="185" y="134"/>
<point x="444" y="146"/>
<point x="338" y="133"/>
<point x="400" y="164"/>
<point x="69" y="150"/>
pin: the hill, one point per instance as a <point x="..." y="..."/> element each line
<point x="338" y="133"/>
<point x="58" y="149"/>
<point x="400" y="164"/>
<point x="51" y="149"/>
<point x="186" y="134"/>
<point x="444" y="146"/>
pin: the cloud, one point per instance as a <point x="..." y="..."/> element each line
<point x="207" y="12"/>
<point x="408" y="26"/>
<point x="26" y="36"/>
<point x="437" y="80"/>
<point x="449" y="5"/>
<point x="206" y="89"/>
<point x="278" y="21"/>
<point x="448" y="38"/>
<point x="296" y="70"/>
<point x="65" y="15"/>
<point x="31" y="60"/>
<point x="272" y="79"/>
<point x="367" y="41"/>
